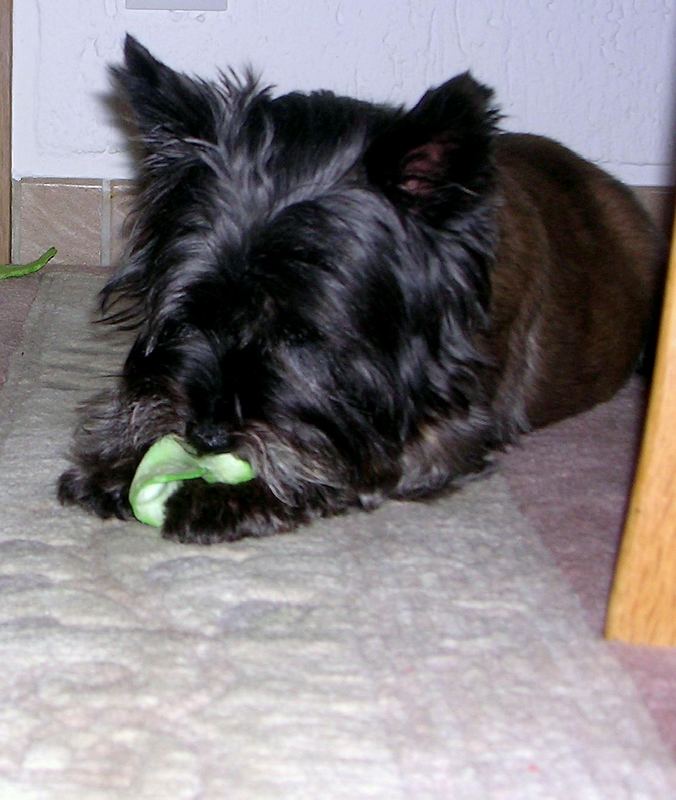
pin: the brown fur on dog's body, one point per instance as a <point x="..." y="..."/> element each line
<point x="575" y="278"/>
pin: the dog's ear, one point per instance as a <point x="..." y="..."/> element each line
<point x="436" y="159"/>
<point x="164" y="103"/>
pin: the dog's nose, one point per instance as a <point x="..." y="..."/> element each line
<point x="208" y="437"/>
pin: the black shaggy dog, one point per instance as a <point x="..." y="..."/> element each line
<point x="361" y="301"/>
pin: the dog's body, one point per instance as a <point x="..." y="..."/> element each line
<point x="362" y="302"/>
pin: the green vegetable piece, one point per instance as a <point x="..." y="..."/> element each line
<point x="167" y="464"/>
<point x="19" y="270"/>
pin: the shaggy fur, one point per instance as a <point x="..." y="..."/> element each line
<point x="362" y="301"/>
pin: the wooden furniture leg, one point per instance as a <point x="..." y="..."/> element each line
<point x="642" y="607"/>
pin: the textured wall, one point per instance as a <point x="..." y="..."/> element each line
<point x="596" y="74"/>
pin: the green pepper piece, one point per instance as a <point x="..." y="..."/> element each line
<point x="19" y="270"/>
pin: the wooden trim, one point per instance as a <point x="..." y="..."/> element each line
<point x="5" y="130"/>
<point x="642" y="606"/>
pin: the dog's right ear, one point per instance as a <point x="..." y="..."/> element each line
<point x="164" y="103"/>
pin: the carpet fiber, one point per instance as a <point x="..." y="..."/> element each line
<point x="440" y="650"/>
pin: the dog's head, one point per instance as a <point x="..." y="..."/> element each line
<point x="308" y="264"/>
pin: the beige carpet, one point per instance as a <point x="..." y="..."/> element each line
<point x="422" y="651"/>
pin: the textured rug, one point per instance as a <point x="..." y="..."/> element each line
<point x="441" y="650"/>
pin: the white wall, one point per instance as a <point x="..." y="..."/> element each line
<point x="596" y="74"/>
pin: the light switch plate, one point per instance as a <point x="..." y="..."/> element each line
<point x="178" y="5"/>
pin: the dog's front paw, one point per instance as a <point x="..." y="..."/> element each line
<point x="202" y="513"/>
<point x="95" y="494"/>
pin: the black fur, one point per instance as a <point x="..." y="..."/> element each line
<point x="313" y="280"/>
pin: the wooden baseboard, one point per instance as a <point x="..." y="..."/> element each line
<point x="5" y="129"/>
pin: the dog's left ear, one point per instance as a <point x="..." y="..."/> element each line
<point x="436" y="160"/>
<point x="165" y="103"/>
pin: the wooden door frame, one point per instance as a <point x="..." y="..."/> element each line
<point x="5" y="130"/>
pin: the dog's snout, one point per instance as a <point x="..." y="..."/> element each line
<point x="207" y="437"/>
